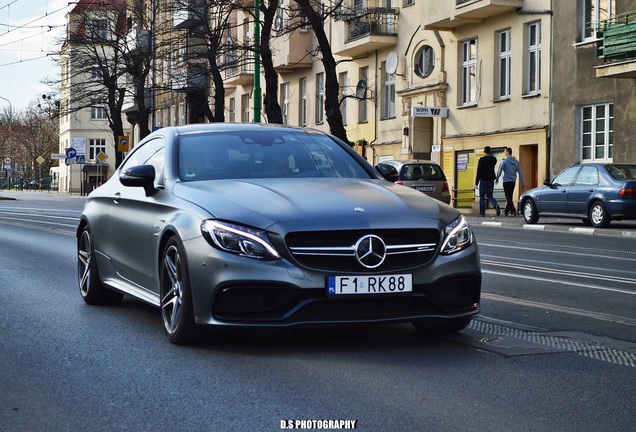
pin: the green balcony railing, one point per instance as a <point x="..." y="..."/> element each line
<point x="616" y="37"/>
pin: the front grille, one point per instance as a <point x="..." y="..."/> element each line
<point x="335" y="250"/>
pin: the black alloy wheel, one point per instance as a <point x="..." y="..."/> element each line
<point x="91" y="288"/>
<point x="177" y="312"/>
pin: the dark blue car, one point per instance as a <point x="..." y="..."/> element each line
<point x="597" y="193"/>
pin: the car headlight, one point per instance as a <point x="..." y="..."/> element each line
<point x="457" y="236"/>
<point x="239" y="239"/>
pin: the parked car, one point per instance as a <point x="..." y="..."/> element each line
<point x="255" y="225"/>
<point x="597" y="193"/>
<point x="421" y="175"/>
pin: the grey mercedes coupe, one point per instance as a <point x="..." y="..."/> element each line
<point x="258" y="225"/>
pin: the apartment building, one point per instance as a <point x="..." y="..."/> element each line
<point x="422" y="79"/>
<point x="594" y="95"/>
<point x="85" y="135"/>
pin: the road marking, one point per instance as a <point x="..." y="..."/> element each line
<point x="576" y="284"/>
<point x="562" y="309"/>
<point x="561" y="272"/>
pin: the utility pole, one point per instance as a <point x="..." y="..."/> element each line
<point x="257" y="62"/>
<point x="9" y="155"/>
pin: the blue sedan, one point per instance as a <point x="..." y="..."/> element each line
<point x="597" y="193"/>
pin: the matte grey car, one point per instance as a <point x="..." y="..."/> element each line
<point x="254" y="225"/>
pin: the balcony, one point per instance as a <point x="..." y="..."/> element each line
<point x="366" y="30"/>
<point x="447" y="15"/>
<point x="239" y="73"/>
<point x="616" y="45"/>
<point x="189" y="15"/>
<point x="130" y="104"/>
<point x="138" y="41"/>
<point x="292" y="51"/>
<point x="189" y="77"/>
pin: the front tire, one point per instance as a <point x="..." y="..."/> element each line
<point x="598" y="215"/>
<point x="530" y="214"/>
<point x="177" y="312"/>
<point x="90" y="286"/>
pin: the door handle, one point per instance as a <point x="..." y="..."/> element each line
<point x="116" y="198"/>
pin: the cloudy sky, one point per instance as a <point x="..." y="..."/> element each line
<point x="29" y="34"/>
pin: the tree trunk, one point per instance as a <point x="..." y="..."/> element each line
<point x="332" y="89"/>
<point x="272" y="107"/>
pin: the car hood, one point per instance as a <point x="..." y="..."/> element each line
<point x="316" y="203"/>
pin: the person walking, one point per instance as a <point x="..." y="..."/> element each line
<point x="486" y="181"/>
<point x="510" y="168"/>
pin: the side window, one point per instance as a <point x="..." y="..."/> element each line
<point x="566" y="177"/>
<point x="587" y="177"/>
<point x="149" y="153"/>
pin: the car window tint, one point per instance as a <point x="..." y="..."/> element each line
<point x="422" y="172"/>
<point x="622" y="172"/>
<point x="587" y="177"/>
<point x="264" y="154"/>
<point x="566" y="177"/>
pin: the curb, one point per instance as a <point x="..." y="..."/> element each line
<point x="559" y="225"/>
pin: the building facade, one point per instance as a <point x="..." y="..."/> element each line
<point x="86" y="139"/>
<point x="420" y="79"/>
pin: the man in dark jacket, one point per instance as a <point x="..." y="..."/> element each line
<point x="486" y="181"/>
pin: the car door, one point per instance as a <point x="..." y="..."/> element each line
<point x="132" y="220"/>
<point x="554" y="198"/>
<point x="582" y="190"/>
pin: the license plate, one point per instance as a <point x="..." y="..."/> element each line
<point x="370" y="284"/>
<point x="424" y="188"/>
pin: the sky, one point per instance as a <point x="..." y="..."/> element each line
<point x="29" y="34"/>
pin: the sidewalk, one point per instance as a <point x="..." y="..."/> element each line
<point x="616" y="228"/>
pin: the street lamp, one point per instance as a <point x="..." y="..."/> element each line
<point x="9" y="155"/>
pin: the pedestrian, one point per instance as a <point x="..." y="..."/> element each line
<point x="510" y="168"/>
<point x="486" y="181"/>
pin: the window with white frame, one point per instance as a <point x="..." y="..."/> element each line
<point x="302" y="102"/>
<point x="95" y="146"/>
<point x="97" y="74"/>
<point x="424" y="61"/>
<point x="595" y="11"/>
<point x="232" y="110"/>
<point x="99" y="29"/>
<point x="469" y="72"/>
<point x="388" y="96"/>
<point x="533" y="72"/>
<point x="597" y="132"/>
<point x="284" y="101"/>
<point x="98" y="110"/>
<point x="503" y="65"/>
<point x="363" y="108"/>
<point x="320" y="97"/>
<point x="245" y="108"/>
<point x="343" y="79"/>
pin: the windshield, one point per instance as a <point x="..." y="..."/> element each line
<point x="264" y="154"/>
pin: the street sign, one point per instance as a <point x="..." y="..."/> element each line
<point x="71" y="152"/>
<point x="7" y="160"/>
<point x="80" y="159"/>
<point x="39" y="160"/>
<point x="101" y="156"/>
<point x="69" y="161"/>
<point x="58" y="156"/>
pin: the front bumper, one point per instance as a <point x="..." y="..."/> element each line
<point x="229" y="290"/>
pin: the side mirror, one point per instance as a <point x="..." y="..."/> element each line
<point x="547" y="182"/>
<point x="139" y="176"/>
<point x="389" y="172"/>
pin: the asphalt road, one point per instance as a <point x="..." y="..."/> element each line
<point x="553" y="350"/>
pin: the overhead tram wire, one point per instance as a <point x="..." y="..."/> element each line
<point x="25" y="25"/>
